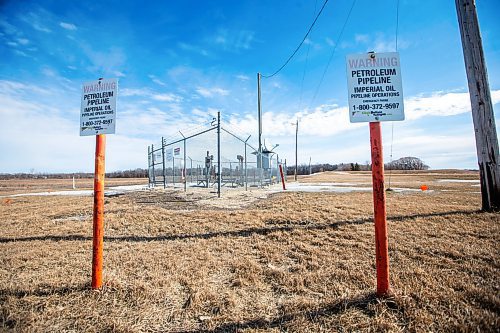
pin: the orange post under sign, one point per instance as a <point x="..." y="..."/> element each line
<point x="98" y="223"/>
<point x="381" y="243"/>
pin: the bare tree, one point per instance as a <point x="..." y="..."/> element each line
<point x="407" y="163"/>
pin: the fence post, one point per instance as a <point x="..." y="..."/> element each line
<point x="173" y="169"/>
<point x="191" y="169"/>
<point x="163" y="163"/>
<point x="246" y="174"/>
<point x="218" y="155"/>
<point x="153" y="164"/>
<point x="261" y="170"/>
<point x="149" y="166"/>
<point x="286" y="171"/>
<point x="278" y="177"/>
<point x="184" y="166"/>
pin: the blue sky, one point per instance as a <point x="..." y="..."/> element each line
<point x="178" y="62"/>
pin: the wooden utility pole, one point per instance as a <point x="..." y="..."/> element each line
<point x="482" y="108"/>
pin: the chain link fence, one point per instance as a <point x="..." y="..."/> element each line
<point x="212" y="158"/>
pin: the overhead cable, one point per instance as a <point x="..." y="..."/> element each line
<point x="333" y="52"/>
<point x="298" y="47"/>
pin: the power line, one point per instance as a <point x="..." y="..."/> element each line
<point x="305" y="65"/>
<point x="298" y="47"/>
<point x="333" y="52"/>
<point x="392" y="123"/>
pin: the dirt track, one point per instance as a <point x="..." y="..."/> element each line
<point x="298" y="262"/>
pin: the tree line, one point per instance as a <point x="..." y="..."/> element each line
<point x="133" y="173"/>
<point x="404" y="163"/>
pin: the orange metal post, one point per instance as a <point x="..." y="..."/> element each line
<point x="282" y="178"/>
<point x="381" y="244"/>
<point x="98" y="233"/>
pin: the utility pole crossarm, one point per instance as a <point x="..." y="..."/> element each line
<point x="482" y="108"/>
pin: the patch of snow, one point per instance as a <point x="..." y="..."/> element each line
<point x="112" y="191"/>
<point x="458" y="180"/>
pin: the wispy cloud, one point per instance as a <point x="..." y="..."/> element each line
<point x="232" y="40"/>
<point x="167" y="97"/>
<point x="149" y="94"/>
<point x="242" y="77"/>
<point x="23" y="41"/>
<point x="156" y="80"/>
<point x="35" y="19"/>
<point x="379" y="42"/>
<point x="193" y="48"/>
<point x="441" y="104"/>
<point x="317" y="121"/>
<point x="119" y="74"/>
<point x="105" y="62"/>
<point x="325" y="132"/>
<point x="361" y="38"/>
<point x="212" y="92"/>
<point x="67" y="26"/>
<point x="135" y="92"/>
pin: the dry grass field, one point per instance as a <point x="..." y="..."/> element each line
<point x="252" y="262"/>
<point x="16" y="186"/>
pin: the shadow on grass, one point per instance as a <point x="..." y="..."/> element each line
<point x="362" y="303"/>
<point x="43" y="291"/>
<point x="233" y="233"/>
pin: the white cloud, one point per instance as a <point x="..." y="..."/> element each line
<point x="135" y="92"/>
<point x="21" y="53"/>
<point x="166" y="97"/>
<point x="212" y="92"/>
<point x="45" y="124"/>
<point x="48" y="72"/>
<point x="441" y="104"/>
<point x="23" y="41"/>
<point x="195" y="49"/>
<point x="42" y="115"/>
<point x="105" y="62"/>
<point x="329" y="41"/>
<point x="156" y="80"/>
<point x="233" y="40"/>
<point x="242" y="77"/>
<point x="378" y="42"/>
<point x="438" y="150"/>
<point x="361" y="38"/>
<point x="40" y="27"/>
<point x="35" y="19"/>
<point x="67" y="26"/>
<point x="316" y="122"/>
<point x="119" y="74"/>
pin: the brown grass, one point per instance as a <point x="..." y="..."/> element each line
<point x="15" y="186"/>
<point x="296" y="262"/>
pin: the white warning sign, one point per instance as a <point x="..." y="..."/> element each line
<point x="374" y="86"/>
<point x="98" y="111"/>
<point x="169" y="154"/>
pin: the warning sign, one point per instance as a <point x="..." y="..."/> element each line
<point x="374" y="86"/>
<point x="169" y="154"/>
<point x="98" y="111"/>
